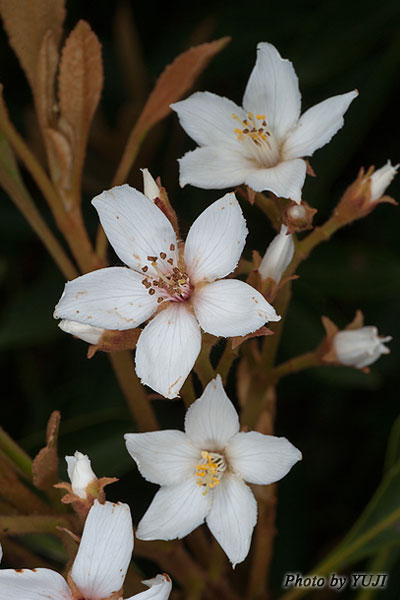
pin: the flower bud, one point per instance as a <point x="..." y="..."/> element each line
<point x="298" y="217"/>
<point x="80" y="473"/>
<point x="87" y="333"/>
<point x="381" y="179"/>
<point x="359" y="347"/>
<point x="150" y="188"/>
<point x="278" y="256"/>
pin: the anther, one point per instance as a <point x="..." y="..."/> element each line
<point x="152" y="291"/>
<point x="152" y="258"/>
<point x="145" y="268"/>
<point x="163" y="255"/>
<point x="172" y="247"/>
<point x="170" y="261"/>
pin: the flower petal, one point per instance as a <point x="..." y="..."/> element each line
<point x="259" y="458"/>
<point x="232" y="517"/>
<point x="135" y="227"/>
<point x="105" y="550"/>
<point x="317" y="126"/>
<point x="216" y="167"/>
<point x="175" y="511"/>
<point x="39" y="584"/>
<point x="211" y="421"/>
<point x="285" y="180"/>
<point x="215" y="240"/>
<point x="167" y="350"/>
<point x="273" y="89"/>
<point x="207" y="118"/>
<point x="160" y="588"/>
<point x="163" y="457"/>
<point x="111" y="298"/>
<point x="230" y="307"/>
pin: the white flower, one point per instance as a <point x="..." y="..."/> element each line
<point x="381" y="179"/>
<point x="202" y="473"/>
<point x="99" y="568"/>
<point x="80" y="473"/>
<point x="278" y="256"/>
<point x="150" y="187"/>
<point x="263" y="143"/>
<point x="183" y="286"/>
<point x="359" y="347"/>
<point x="87" y="333"/>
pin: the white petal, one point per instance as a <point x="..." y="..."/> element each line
<point x="175" y="511"/>
<point x="211" y="421"/>
<point x="105" y="550"/>
<point x="111" y="298"/>
<point x="215" y="240"/>
<point x="207" y="118"/>
<point x="259" y="458"/>
<point x="232" y="517"/>
<point x="230" y="307"/>
<point x="163" y="457"/>
<point x="273" y="89"/>
<point x="381" y="179"/>
<point x="277" y="256"/>
<point x="39" y="584"/>
<point x="87" y="333"/>
<point x="135" y="227"/>
<point x="317" y="126"/>
<point x="215" y="167"/>
<point x="361" y="347"/>
<point x="150" y="187"/>
<point x="80" y="473"/>
<point x="167" y="350"/>
<point x="286" y="180"/>
<point x="160" y="589"/>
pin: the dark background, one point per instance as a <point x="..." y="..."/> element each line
<point x="339" y="418"/>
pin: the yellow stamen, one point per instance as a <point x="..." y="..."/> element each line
<point x="210" y="470"/>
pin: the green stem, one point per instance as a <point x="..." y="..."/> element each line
<point x="293" y="365"/>
<point x="21" y="525"/>
<point x="136" y="398"/>
<point x="226" y="360"/>
<point x="203" y="366"/>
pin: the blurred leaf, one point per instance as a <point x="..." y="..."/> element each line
<point x="80" y="83"/>
<point x="26" y="23"/>
<point x="28" y="318"/>
<point x="393" y="450"/>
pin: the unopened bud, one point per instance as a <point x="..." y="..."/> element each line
<point x="298" y="217"/>
<point x="87" y="333"/>
<point x="150" y="188"/>
<point x="359" y="347"/>
<point x="80" y="473"/>
<point x="381" y="179"/>
<point x="278" y="255"/>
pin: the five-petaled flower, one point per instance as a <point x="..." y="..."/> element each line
<point x="263" y="143"/>
<point x="183" y="286"/>
<point x="202" y="473"/>
<point x="99" y="568"/>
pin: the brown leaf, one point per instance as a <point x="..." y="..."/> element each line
<point x="176" y="79"/>
<point x="80" y="83"/>
<point x="44" y="83"/>
<point x="26" y="23"/>
<point x="236" y="341"/>
<point x="45" y="464"/>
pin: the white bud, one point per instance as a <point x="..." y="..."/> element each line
<point x="381" y="179"/>
<point x="359" y="347"/>
<point x="296" y="212"/>
<point x="277" y="257"/>
<point x="80" y="473"/>
<point x="150" y="188"/>
<point x="87" y="333"/>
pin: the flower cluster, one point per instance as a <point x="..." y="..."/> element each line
<point x="180" y="289"/>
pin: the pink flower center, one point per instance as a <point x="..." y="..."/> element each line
<point x="170" y="283"/>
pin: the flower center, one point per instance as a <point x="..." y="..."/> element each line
<point x="209" y="471"/>
<point x="170" y="282"/>
<point x="255" y="134"/>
